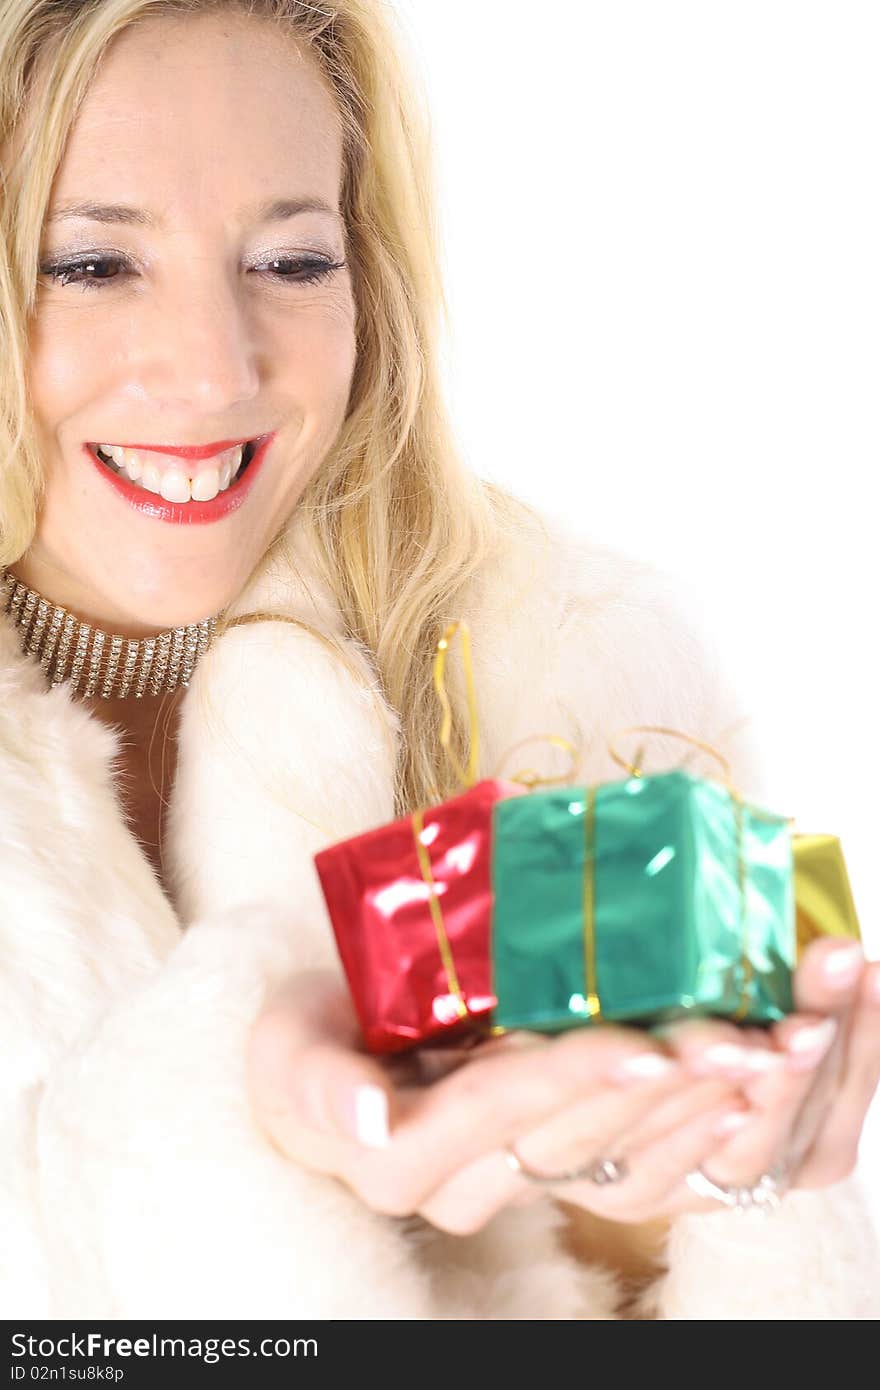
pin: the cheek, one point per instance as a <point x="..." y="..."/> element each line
<point x="72" y="360"/>
<point x="312" y="354"/>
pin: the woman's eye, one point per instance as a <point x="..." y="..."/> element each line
<point x="89" y="271"/>
<point x="303" y="272"/>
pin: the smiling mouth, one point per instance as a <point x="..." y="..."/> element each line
<point x="176" y="479"/>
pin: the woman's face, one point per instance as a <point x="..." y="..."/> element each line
<point x="192" y="318"/>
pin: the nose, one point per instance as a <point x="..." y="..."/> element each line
<point x="199" y="350"/>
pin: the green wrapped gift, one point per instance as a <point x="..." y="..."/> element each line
<point x="640" y="900"/>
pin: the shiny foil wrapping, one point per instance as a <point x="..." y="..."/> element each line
<point x="653" y="900"/>
<point x="824" y="904"/>
<point x="378" y="899"/>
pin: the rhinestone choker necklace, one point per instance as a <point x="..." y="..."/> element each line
<point x="98" y="662"/>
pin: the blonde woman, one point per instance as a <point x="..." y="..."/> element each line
<point x="233" y="528"/>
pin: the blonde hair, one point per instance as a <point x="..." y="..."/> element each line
<point x="400" y="526"/>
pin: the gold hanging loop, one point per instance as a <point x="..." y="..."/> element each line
<point x="527" y="777"/>
<point x="467" y="776"/>
<point x="635" y="768"/>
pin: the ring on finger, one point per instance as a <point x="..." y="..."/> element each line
<point x="600" y="1171"/>
<point x="765" y="1195"/>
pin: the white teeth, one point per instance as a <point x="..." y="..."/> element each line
<point x="171" y="481"/>
<point x="150" y="478"/>
<point x="206" y="485"/>
<point x="174" y="486"/>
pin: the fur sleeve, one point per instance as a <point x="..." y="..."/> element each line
<point x="157" y="1192"/>
<point x="143" y="1186"/>
<point x="134" y="1180"/>
<point x="815" y="1257"/>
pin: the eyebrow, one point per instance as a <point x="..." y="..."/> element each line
<point x="277" y="210"/>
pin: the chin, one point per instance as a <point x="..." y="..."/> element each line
<point x="146" y="614"/>
<point x="174" y="615"/>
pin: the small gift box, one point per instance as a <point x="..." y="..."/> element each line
<point x="824" y="904"/>
<point x="640" y="900"/>
<point x="410" y="905"/>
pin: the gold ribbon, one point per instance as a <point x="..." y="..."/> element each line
<point x="445" y="949"/>
<point x="467" y="777"/>
<point x="594" y="1006"/>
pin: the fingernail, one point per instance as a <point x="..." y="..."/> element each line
<point x="729" y="1057"/>
<point x="841" y="967"/>
<point x="733" y="1122"/>
<point x="644" y="1066"/>
<point x="371" y="1116"/>
<point x="808" y="1046"/>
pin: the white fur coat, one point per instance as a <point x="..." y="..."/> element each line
<point x="134" y="1181"/>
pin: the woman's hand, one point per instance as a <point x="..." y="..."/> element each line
<point x="808" y="1083"/>
<point x="833" y="1041"/>
<point x="438" y="1149"/>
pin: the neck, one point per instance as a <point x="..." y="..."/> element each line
<point x="151" y="718"/>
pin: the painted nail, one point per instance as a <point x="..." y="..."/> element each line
<point x="729" y="1057"/>
<point x="808" y="1046"/>
<point x="644" y="1066"/>
<point x="733" y="1122"/>
<point x="841" y="967"/>
<point x="371" y="1116"/>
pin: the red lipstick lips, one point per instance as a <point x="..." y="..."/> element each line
<point x="187" y="513"/>
<point x="188" y="451"/>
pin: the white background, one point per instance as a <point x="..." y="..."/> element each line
<point x="660" y="225"/>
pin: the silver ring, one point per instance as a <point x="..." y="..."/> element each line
<point x="764" y="1196"/>
<point x="600" y="1171"/>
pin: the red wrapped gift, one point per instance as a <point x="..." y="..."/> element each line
<point x="411" y="902"/>
<point x="411" y="906"/>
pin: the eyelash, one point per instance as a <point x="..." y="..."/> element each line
<point x="65" y="272"/>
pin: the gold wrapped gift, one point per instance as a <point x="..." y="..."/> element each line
<point x="824" y="904"/>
